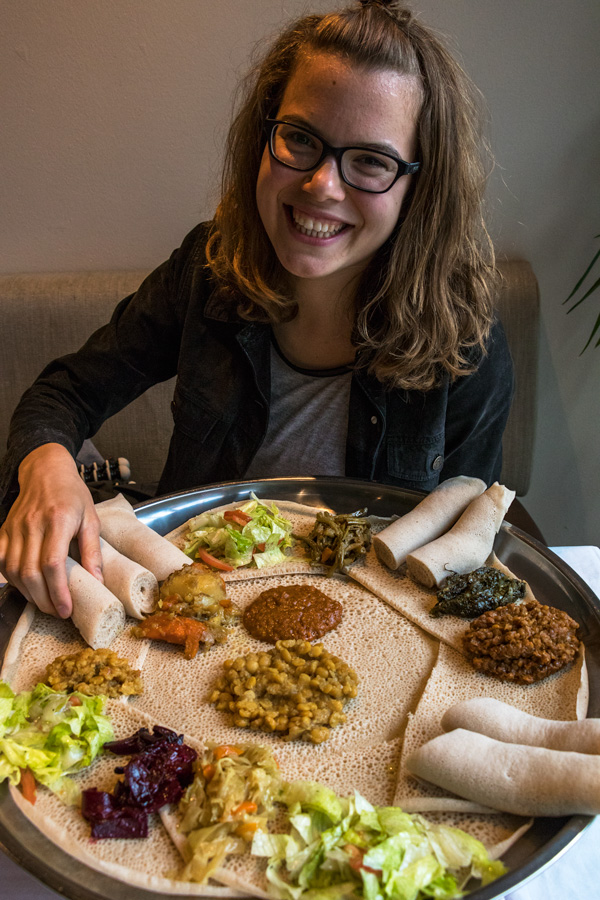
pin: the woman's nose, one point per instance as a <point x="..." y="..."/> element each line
<point x="326" y="182"/>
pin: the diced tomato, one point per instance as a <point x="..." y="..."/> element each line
<point x="355" y="861"/>
<point x="28" y="787"/>
<point x="261" y="547"/>
<point x="247" y="807"/>
<point x="227" y="750"/>
<point x="355" y="856"/>
<point x="75" y="701"/>
<point x="237" y="516"/>
<point x="211" y="560"/>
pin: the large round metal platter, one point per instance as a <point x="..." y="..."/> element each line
<point x="552" y="581"/>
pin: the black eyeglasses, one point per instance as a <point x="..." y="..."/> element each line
<point x="360" y="167"/>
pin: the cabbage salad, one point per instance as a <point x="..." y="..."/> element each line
<point x="347" y="848"/>
<point x="49" y="735"/>
<point x="253" y="534"/>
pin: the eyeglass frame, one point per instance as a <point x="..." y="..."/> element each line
<point x="404" y="168"/>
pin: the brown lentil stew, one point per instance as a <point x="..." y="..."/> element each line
<point x="298" y="612"/>
<point x="94" y="672"/>
<point x="298" y="690"/>
<point x="522" y="642"/>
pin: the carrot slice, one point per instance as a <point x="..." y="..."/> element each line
<point x="211" y="560"/>
<point x="227" y="750"/>
<point x="246" y="807"/>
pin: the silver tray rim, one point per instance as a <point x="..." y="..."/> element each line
<point x="549" y="838"/>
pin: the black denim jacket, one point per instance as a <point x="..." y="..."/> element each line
<point x="174" y="324"/>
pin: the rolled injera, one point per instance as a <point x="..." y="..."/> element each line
<point x="120" y="527"/>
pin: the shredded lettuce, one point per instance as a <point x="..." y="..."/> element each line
<point x="242" y="546"/>
<point x="347" y="848"/>
<point x="54" y="734"/>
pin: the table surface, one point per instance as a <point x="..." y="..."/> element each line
<point x="574" y="874"/>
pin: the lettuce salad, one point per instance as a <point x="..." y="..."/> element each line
<point x="347" y="848"/>
<point x="50" y="733"/>
<point x="252" y="534"/>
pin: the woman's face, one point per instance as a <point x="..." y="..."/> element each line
<point x="346" y="106"/>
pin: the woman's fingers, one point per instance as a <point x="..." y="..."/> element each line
<point x="52" y="563"/>
<point x="53" y="507"/>
<point x="24" y="576"/>
<point x="35" y="562"/>
<point x="89" y="544"/>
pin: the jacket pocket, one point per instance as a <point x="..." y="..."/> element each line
<point x="195" y="418"/>
<point x="416" y="462"/>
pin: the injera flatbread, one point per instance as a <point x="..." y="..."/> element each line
<point x="452" y="679"/>
<point x="97" y="614"/>
<point x="468" y="543"/>
<point x="120" y="527"/>
<point x="38" y="639"/>
<point x="135" y="586"/>
<point x="429" y="519"/>
<point x="381" y="646"/>
<point x="138" y="862"/>
<point x="386" y="649"/>
<point x="413" y="600"/>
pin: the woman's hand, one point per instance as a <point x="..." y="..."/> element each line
<point x="53" y="507"/>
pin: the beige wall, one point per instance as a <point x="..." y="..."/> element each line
<point x="113" y="114"/>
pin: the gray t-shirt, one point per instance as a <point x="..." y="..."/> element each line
<point x="308" y="422"/>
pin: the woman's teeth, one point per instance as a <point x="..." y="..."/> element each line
<point x="314" y="228"/>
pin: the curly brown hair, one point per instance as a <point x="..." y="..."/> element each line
<point x="425" y="300"/>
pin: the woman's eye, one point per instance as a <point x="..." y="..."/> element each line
<point x="299" y="139"/>
<point x="377" y="163"/>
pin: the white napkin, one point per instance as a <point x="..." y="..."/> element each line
<point x="585" y="561"/>
<point x="576" y="873"/>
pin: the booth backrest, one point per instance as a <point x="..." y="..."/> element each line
<point x="47" y="315"/>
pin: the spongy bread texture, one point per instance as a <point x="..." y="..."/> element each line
<point x="468" y="543"/>
<point x="135" y="586"/>
<point x="120" y="527"/>
<point x="511" y="777"/>
<point x="98" y="615"/>
<point x="453" y="679"/>
<point x="382" y="647"/>
<point x="428" y="520"/>
<point x="505" y="722"/>
<point x="141" y="862"/>
<point x="38" y="639"/>
<point x="392" y="656"/>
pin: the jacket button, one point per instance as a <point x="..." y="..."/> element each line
<point x="373" y="420"/>
<point x="437" y="463"/>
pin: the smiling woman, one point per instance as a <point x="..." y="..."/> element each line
<point x="320" y="226"/>
<point x="335" y="317"/>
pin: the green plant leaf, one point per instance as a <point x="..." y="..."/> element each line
<point x="594" y="330"/>
<point x="588" y="292"/>
<point x="591" y="290"/>
<point x="584" y="276"/>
